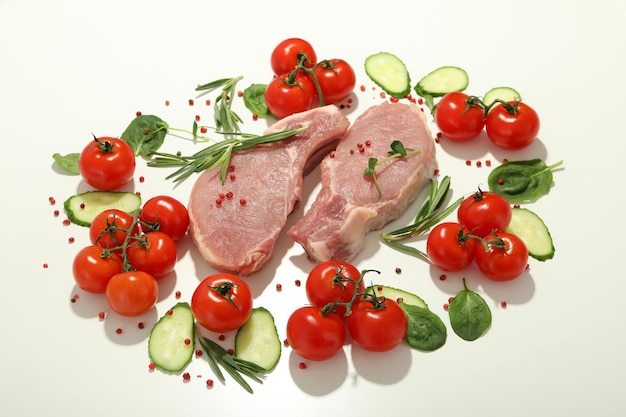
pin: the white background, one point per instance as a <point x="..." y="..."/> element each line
<point x="72" y="68"/>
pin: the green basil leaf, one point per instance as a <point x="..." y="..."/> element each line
<point x="522" y="181"/>
<point x="426" y="331"/>
<point x="371" y="166"/>
<point x="145" y="134"/>
<point x="470" y="316"/>
<point x="254" y="99"/>
<point x="68" y="162"/>
<point x="397" y="148"/>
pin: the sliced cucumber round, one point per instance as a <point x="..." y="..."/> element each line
<point x="529" y="227"/>
<point x="389" y="73"/>
<point x="442" y="81"/>
<point x="81" y="209"/>
<point x="396" y="295"/>
<point x="257" y="340"/>
<point x="501" y="93"/>
<point x="171" y="342"/>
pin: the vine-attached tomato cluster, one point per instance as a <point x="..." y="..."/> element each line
<point x="338" y="300"/>
<point x="301" y="82"/>
<point x="129" y="253"/>
<point x="510" y="125"/>
<point x="479" y="235"/>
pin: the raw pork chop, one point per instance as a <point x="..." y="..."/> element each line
<point x="348" y="205"/>
<point x="235" y="225"/>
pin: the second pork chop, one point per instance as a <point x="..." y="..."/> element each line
<point x="348" y="204"/>
<point x="235" y="225"/>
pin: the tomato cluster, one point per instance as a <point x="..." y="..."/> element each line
<point x="130" y="253"/>
<point x="338" y="300"/>
<point x="479" y="235"/>
<point x="510" y="125"/>
<point x="301" y="82"/>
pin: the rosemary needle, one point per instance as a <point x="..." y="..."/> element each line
<point x="217" y="356"/>
<point x="217" y="154"/>
<point x="428" y="216"/>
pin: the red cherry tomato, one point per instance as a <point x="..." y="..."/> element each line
<point x="336" y="79"/>
<point x="332" y="281"/>
<point x="132" y="293"/>
<point x="505" y="259"/>
<point x="377" y="326"/>
<point x="93" y="269"/>
<point x="154" y="253"/>
<point x="458" y="117"/>
<point x="109" y="228"/>
<point x="513" y="126"/>
<point x="107" y="163"/>
<point x="313" y="335"/>
<point x="290" y="93"/>
<point x="286" y="55"/>
<point x="448" y="247"/>
<point x="484" y="212"/>
<point x="166" y="214"/>
<point x="222" y="302"/>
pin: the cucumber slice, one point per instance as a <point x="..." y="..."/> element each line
<point x="529" y="227"/>
<point x="442" y="81"/>
<point x="170" y="345"/>
<point x="81" y="209"/>
<point x="257" y="340"/>
<point x="397" y="295"/>
<point x="501" y="93"/>
<point x="389" y="72"/>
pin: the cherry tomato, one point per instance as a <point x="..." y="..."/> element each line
<point x="513" y="126"/>
<point x="332" y="281"/>
<point x="290" y="93"/>
<point x="505" y="259"/>
<point x="484" y="212"/>
<point x="458" y="117"/>
<point x="377" y="325"/>
<point x="448" y="247"/>
<point x="93" y="269"/>
<point x="222" y="302"/>
<point x="165" y="214"/>
<point x="154" y="253"/>
<point x="107" y="163"/>
<point x="285" y="55"/>
<point x="109" y="228"/>
<point x="336" y="79"/>
<point x="132" y="293"/>
<point x="313" y="335"/>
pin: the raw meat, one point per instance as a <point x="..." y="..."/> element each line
<point x="238" y="234"/>
<point x="348" y="205"/>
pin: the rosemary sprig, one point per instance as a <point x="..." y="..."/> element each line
<point x="217" y="154"/>
<point x="226" y="120"/>
<point x="428" y="216"/>
<point x="218" y="357"/>
<point x="397" y="151"/>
